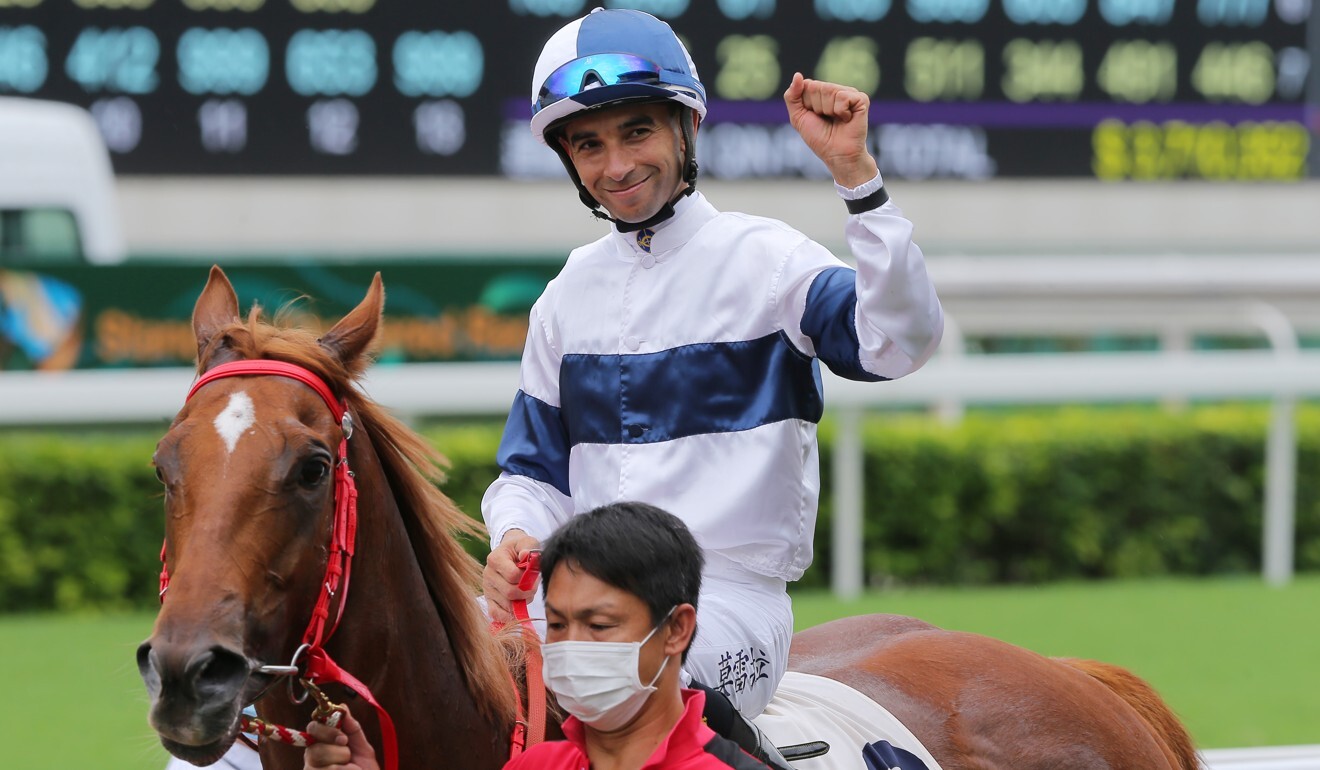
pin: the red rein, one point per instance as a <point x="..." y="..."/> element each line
<point x="529" y="728"/>
<point x="319" y="667"/>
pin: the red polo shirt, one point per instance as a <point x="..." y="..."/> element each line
<point x="691" y="745"/>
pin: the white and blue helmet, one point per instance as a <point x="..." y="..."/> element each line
<point x="611" y="57"/>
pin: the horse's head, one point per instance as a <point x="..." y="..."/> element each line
<point x="248" y="469"/>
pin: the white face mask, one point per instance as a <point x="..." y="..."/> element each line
<point x="598" y="682"/>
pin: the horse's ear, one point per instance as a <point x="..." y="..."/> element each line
<point x="216" y="308"/>
<point x="350" y="339"/>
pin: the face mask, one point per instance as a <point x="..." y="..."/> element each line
<point x="597" y="682"/>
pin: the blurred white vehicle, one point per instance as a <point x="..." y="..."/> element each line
<point x="57" y="191"/>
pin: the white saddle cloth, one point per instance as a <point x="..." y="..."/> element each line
<point x="812" y="708"/>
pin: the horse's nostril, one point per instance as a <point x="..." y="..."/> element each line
<point x="218" y="672"/>
<point x="148" y="672"/>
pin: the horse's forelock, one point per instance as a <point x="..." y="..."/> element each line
<point x="255" y="338"/>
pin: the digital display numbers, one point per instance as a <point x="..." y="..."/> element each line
<point x="972" y="89"/>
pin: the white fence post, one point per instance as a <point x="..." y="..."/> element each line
<point x="1280" y="493"/>
<point x="954" y="345"/>
<point x="846" y="575"/>
<point x="1280" y="454"/>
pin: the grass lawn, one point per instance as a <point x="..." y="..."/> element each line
<point x="1237" y="661"/>
<point x="75" y="700"/>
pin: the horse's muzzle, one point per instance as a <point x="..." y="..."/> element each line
<point x="196" y="693"/>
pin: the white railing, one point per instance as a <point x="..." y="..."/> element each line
<point x="1271" y="297"/>
<point x="417" y="390"/>
<point x="1264" y="758"/>
<point x="1280" y="376"/>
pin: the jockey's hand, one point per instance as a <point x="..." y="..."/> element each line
<point x="502" y="573"/>
<point x="832" y="120"/>
<point x="339" y="748"/>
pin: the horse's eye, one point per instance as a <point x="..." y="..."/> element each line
<point x="313" y="472"/>
<point x="160" y="475"/>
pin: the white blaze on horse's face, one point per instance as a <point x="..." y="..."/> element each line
<point x="236" y="418"/>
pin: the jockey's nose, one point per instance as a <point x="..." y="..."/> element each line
<point x="619" y="163"/>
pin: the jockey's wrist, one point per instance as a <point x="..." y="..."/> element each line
<point x="855" y="172"/>
<point x="868" y="196"/>
<point x="506" y="534"/>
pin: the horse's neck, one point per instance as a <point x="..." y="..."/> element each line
<point x="407" y="649"/>
<point x="393" y="639"/>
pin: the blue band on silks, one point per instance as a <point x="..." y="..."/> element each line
<point x="714" y="387"/>
<point x="603" y="69"/>
<point x="535" y="443"/>
<point x="830" y="321"/>
<point x="882" y="756"/>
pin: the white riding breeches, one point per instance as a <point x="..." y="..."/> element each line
<point x="744" y="626"/>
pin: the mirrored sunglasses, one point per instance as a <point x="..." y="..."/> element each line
<point x="602" y="69"/>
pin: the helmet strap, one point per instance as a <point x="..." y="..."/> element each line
<point x="689" y="148"/>
<point x="666" y="211"/>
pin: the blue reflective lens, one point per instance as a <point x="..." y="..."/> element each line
<point x="602" y="69"/>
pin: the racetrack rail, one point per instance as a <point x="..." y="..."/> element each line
<point x="1263" y="758"/>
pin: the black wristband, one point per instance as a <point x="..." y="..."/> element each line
<point x="870" y="203"/>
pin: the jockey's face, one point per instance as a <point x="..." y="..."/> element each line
<point x="628" y="157"/>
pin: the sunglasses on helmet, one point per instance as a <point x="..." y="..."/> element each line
<point x="594" y="71"/>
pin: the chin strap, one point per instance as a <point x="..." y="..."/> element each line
<point x="666" y="211"/>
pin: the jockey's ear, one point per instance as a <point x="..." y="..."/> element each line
<point x="350" y="339"/>
<point x="216" y="308"/>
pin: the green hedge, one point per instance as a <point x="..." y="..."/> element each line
<point x="1000" y="497"/>
<point x="1072" y="493"/>
<point x="80" y="522"/>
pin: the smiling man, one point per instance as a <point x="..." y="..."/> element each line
<point x="674" y="361"/>
<point x="628" y="159"/>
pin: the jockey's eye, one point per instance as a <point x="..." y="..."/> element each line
<point x="313" y="472"/>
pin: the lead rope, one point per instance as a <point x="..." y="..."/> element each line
<point x="326" y="712"/>
<point x="530" y="730"/>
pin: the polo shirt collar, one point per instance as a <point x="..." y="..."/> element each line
<point x="688" y="737"/>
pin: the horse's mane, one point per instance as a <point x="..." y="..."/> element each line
<point x="413" y="468"/>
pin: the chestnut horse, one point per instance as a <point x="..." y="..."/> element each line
<point x="249" y="508"/>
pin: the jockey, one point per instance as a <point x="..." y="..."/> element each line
<point x="674" y="360"/>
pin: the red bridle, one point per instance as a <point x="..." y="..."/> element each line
<point x="316" y="665"/>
